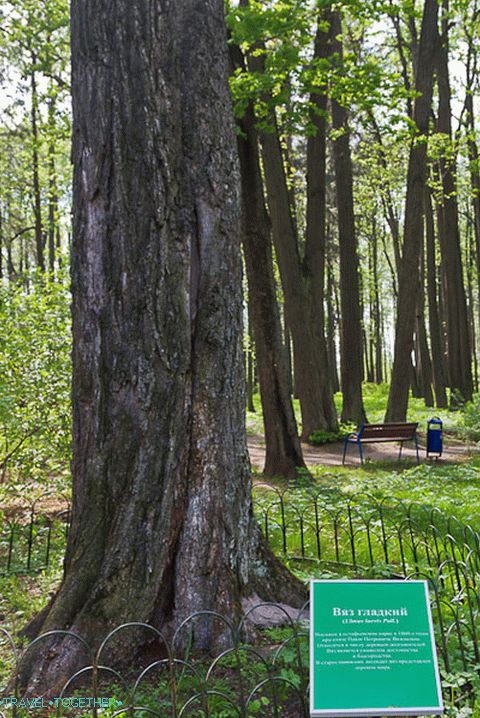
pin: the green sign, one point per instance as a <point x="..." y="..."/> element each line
<point x="372" y="650"/>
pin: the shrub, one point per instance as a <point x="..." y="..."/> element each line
<point x="470" y="426"/>
<point x="328" y="437"/>
<point x="35" y="346"/>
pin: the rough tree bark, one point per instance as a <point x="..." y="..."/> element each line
<point x="351" y="329"/>
<point x="413" y="232"/>
<point x="162" y="519"/>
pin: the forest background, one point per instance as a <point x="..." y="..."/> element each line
<point x="361" y="236"/>
<point x="358" y="157"/>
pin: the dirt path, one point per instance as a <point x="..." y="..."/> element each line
<point x="331" y="454"/>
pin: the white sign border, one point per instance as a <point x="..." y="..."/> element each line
<point x="367" y="712"/>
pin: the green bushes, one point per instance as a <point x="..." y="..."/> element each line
<point x="327" y="437"/>
<point x="35" y="345"/>
<point x="470" y="426"/>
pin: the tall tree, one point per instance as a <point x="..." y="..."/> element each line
<point x="309" y="357"/>
<point x="413" y="227"/>
<point x="433" y="313"/>
<point x="37" y="199"/>
<point x="316" y="219"/>
<point x="162" y="520"/>
<point x="351" y="329"/>
<point x="459" y="350"/>
<point x="310" y="375"/>
<point x="283" y="453"/>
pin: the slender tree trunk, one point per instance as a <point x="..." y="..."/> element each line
<point x="52" y="186"/>
<point x="371" y="300"/>
<point x="423" y="350"/>
<point x="459" y="350"/>
<point x="332" y="349"/>
<point x="249" y="359"/>
<point x="471" y="313"/>
<point x="351" y="340"/>
<point x="310" y="376"/>
<point x="283" y="450"/>
<point x="37" y="201"/>
<point x="433" y="313"/>
<point x="408" y="284"/>
<point x="387" y="199"/>
<point x="162" y="521"/>
<point x="315" y="243"/>
<point x="415" y="378"/>
<point x="377" y="319"/>
<point x="473" y="156"/>
<point x="288" y="351"/>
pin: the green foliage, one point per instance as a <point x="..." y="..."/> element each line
<point x="34" y="51"/>
<point x="470" y="424"/>
<point x="375" y="398"/>
<point x="375" y="401"/>
<point x="327" y="437"/>
<point x="35" y="367"/>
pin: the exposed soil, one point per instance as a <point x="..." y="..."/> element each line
<point x="19" y="506"/>
<point x="454" y="451"/>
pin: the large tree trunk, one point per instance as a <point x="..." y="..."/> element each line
<point x="413" y="229"/>
<point x="283" y="451"/>
<point x="162" y="519"/>
<point x="351" y="329"/>
<point x="459" y="351"/>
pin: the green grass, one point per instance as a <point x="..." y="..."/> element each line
<point x="375" y="401"/>
<point x="454" y="489"/>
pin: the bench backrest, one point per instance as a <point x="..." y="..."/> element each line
<point x="388" y="431"/>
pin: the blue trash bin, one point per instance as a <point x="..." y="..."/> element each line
<point x="435" y="437"/>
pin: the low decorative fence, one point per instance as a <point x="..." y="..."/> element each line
<point x="351" y="533"/>
<point x="33" y="532"/>
<point x="362" y="532"/>
<point x="319" y="533"/>
<point x="265" y="677"/>
<point x="268" y="679"/>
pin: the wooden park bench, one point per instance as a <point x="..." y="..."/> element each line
<point x="373" y="433"/>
